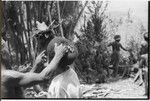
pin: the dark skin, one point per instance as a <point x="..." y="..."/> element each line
<point x="62" y="67"/>
<point x="143" y="67"/>
<point x="115" y="56"/>
<point x="145" y="58"/>
<point x="116" y="46"/>
<point x="12" y="82"/>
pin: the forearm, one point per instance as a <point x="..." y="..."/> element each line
<point x="34" y="68"/>
<point x="30" y="79"/>
<point x="52" y="66"/>
<point x="109" y="45"/>
<point x="124" y="49"/>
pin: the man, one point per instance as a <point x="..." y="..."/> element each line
<point x="143" y="51"/>
<point x="145" y="70"/>
<point x="115" y="57"/>
<point x="145" y="57"/>
<point x="66" y="83"/>
<point x="143" y="64"/>
<point x="12" y="81"/>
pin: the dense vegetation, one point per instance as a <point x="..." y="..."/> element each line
<point x="19" y="30"/>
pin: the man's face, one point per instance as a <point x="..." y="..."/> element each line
<point x="118" y="40"/>
<point x="63" y="65"/>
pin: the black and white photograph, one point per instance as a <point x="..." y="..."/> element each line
<point x="96" y="49"/>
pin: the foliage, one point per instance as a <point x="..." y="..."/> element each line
<point x="20" y="26"/>
<point x="19" y="19"/>
<point x="93" y="54"/>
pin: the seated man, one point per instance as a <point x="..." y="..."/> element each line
<point x="143" y="63"/>
<point x="13" y="81"/>
<point x="66" y="83"/>
<point x="143" y="50"/>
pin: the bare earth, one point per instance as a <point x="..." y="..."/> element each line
<point x="117" y="89"/>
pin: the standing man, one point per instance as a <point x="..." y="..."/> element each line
<point x="115" y="57"/>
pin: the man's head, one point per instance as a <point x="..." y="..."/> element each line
<point x="146" y="36"/>
<point x="143" y="43"/>
<point x="67" y="59"/>
<point x="117" y="38"/>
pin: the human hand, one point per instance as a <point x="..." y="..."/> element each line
<point x="46" y="64"/>
<point x="40" y="58"/>
<point x="60" y="50"/>
<point x="70" y="48"/>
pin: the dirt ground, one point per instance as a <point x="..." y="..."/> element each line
<point x="117" y="89"/>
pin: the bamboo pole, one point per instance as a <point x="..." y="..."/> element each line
<point x="59" y="18"/>
<point x="28" y="29"/>
<point x="50" y="18"/>
<point x="77" y="20"/>
<point x="4" y="24"/>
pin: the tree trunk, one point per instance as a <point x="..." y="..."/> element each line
<point x="81" y="12"/>
<point x="59" y="18"/>
<point x="28" y="29"/>
<point x="49" y="15"/>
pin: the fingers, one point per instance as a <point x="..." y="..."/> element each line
<point x="61" y="45"/>
<point x="44" y="60"/>
<point x="46" y="64"/>
<point x="70" y="48"/>
<point x="56" y="45"/>
<point x="42" y="53"/>
<point x="60" y="50"/>
<point x="66" y="48"/>
<point x="41" y="58"/>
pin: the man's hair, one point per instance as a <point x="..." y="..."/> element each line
<point x="146" y="36"/>
<point x="67" y="59"/>
<point x="117" y="36"/>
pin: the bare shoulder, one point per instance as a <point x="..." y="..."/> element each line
<point x="144" y="56"/>
<point x="11" y="77"/>
<point x="12" y="74"/>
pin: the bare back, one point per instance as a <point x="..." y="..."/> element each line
<point x="9" y="89"/>
<point x="116" y="46"/>
<point x="13" y="81"/>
